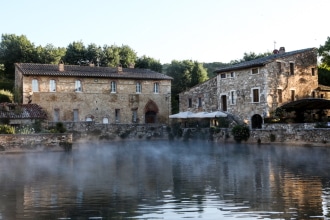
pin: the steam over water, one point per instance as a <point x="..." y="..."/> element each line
<point x="161" y="180"/>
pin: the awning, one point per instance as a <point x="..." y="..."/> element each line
<point x="181" y="115"/>
<point x="189" y="114"/>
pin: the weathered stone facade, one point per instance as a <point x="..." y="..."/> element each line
<point x="34" y="142"/>
<point x="201" y="97"/>
<point x="96" y="99"/>
<point x="254" y="89"/>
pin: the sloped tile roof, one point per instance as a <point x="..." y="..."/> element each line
<point x="323" y="88"/>
<point x="35" y="69"/>
<point x="21" y="111"/>
<point x="261" y="61"/>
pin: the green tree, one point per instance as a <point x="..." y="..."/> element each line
<point x="75" y="54"/>
<point x="145" y="62"/>
<point x="127" y="56"/>
<point x="211" y="67"/>
<point x="185" y="74"/>
<point x="48" y="54"/>
<point x="15" y="49"/>
<point x="250" y="56"/>
<point x="324" y="74"/>
<point x="111" y="57"/>
<point x="198" y="74"/>
<point x="324" y="52"/>
<point x="94" y="54"/>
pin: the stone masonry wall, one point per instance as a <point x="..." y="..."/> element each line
<point x="34" y="142"/>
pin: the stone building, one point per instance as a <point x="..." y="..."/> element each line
<point x="99" y="94"/>
<point x="252" y="90"/>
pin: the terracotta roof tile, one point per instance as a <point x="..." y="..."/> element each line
<point x="21" y="111"/>
<point x="261" y="61"/>
<point x="88" y="71"/>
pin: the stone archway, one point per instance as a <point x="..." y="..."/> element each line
<point x="151" y="111"/>
<point x="256" y="121"/>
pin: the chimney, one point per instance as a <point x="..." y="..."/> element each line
<point x="275" y="51"/>
<point x="131" y="66"/>
<point x="61" y="66"/>
<point x="282" y="50"/>
<point x="120" y="69"/>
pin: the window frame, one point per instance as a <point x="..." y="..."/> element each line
<point x="156" y="87"/>
<point x="279" y="95"/>
<point x="232" y="97"/>
<point x="291" y="68"/>
<point x="138" y="87"/>
<point x="52" y="85"/>
<point x="254" y="73"/>
<point x="189" y="102"/>
<point x="200" y="102"/>
<point x="78" y="85"/>
<point x="255" y="97"/>
<point x="313" y="71"/>
<point x="223" y="75"/>
<point x="293" y="95"/>
<point x="35" y="85"/>
<point x="75" y="115"/>
<point x="113" y="87"/>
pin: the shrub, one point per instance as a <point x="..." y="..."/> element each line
<point x="241" y="132"/>
<point x="7" y="129"/>
<point x="25" y="129"/>
<point x="60" y="127"/>
<point x="6" y="96"/>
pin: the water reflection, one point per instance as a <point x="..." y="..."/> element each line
<point x="152" y="180"/>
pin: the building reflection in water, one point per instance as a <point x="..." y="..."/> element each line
<point x="153" y="180"/>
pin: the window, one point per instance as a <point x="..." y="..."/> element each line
<point x="232" y="74"/>
<point x="134" y="115"/>
<point x="313" y="94"/>
<point x="223" y="75"/>
<point x="138" y="87"/>
<point x="199" y="102"/>
<point x="113" y="87"/>
<point x="279" y="96"/>
<point x="190" y="103"/>
<point x="292" y="95"/>
<point x="291" y="68"/>
<point x="322" y="96"/>
<point x="52" y="85"/>
<point x="56" y="116"/>
<point x="75" y="115"/>
<point x="117" y="115"/>
<point x="35" y="85"/>
<point x="313" y="71"/>
<point x="156" y="87"/>
<point x="77" y="87"/>
<point x="232" y="98"/>
<point x="255" y="71"/>
<point x="279" y="66"/>
<point x="105" y="121"/>
<point x="255" y="95"/>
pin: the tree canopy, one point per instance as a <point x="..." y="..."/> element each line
<point x="324" y="66"/>
<point x="186" y="74"/>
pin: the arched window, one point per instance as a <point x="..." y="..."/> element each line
<point x="35" y="85"/>
<point x="105" y="121"/>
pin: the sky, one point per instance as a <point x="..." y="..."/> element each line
<point x="198" y="30"/>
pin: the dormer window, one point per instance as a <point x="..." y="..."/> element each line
<point x="255" y="71"/>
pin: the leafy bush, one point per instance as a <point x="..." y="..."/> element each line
<point x="6" y="96"/>
<point x="7" y="129"/>
<point x="241" y="132"/>
<point x="25" y="129"/>
<point x="60" y="127"/>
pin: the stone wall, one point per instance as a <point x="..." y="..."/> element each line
<point x="292" y="134"/>
<point x="97" y="102"/>
<point x="91" y="131"/>
<point x="35" y="142"/>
